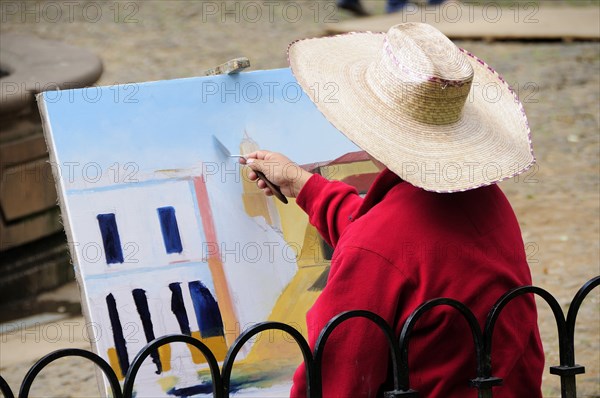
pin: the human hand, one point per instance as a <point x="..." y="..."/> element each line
<point x="279" y="169"/>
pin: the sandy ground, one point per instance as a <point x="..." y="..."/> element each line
<point x="557" y="202"/>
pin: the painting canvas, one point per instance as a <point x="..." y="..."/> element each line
<point x="167" y="235"/>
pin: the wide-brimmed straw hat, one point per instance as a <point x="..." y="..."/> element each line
<point x="434" y="114"/>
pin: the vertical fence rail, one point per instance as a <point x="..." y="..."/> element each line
<point x="313" y="361"/>
<point x="568" y="369"/>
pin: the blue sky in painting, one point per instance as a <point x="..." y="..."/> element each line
<point x="169" y="124"/>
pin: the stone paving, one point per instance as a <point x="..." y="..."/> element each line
<point x="557" y="202"/>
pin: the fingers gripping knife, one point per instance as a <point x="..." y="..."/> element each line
<point x="274" y="188"/>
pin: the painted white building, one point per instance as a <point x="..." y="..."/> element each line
<point x="146" y="236"/>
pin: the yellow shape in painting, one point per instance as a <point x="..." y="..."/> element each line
<point x="216" y="344"/>
<point x="113" y="360"/>
<point x="275" y="355"/>
<point x="166" y="383"/>
<point x="164" y="353"/>
<point x="255" y="201"/>
<point x="291" y="308"/>
<point x="293" y="224"/>
<point x="303" y="238"/>
<point x="312" y="249"/>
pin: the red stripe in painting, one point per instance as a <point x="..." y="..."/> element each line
<point x="214" y="262"/>
<point x="206" y="214"/>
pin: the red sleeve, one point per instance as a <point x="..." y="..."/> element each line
<point x="329" y="205"/>
<point x="355" y="360"/>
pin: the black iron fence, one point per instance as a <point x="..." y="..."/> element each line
<point x="482" y="339"/>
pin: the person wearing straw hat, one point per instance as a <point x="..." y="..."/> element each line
<point x="433" y="224"/>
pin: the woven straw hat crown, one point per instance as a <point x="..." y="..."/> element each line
<point x="421" y="71"/>
<point x="415" y="101"/>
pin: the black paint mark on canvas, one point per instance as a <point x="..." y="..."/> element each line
<point x="178" y="308"/>
<point x="207" y="310"/>
<point x="117" y="329"/>
<point x="141" y="302"/>
<point x="189" y="391"/>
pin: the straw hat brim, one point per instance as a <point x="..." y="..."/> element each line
<point x="489" y="143"/>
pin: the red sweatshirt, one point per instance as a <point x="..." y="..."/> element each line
<point x="401" y="246"/>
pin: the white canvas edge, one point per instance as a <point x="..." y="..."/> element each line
<point x="103" y="386"/>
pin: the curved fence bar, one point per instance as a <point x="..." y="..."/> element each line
<point x="566" y="350"/>
<point x="261" y="327"/>
<point x="377" y="320"/>
<point x="164" y="340"/>
<point x="70" y="352"/>
<point x="507" y="298"/>
<point x="221" y="379"/>
<point x="575" y="304"/>
<point x="475" y="331"/>
<point x="5" y="389"/>
<point x="567" y="371"/>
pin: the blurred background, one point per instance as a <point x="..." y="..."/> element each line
<point x="551" y="57"/>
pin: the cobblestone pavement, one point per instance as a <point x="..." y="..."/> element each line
<point x="557" y="202"/>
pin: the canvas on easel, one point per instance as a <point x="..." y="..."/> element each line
<point x="169" y="236"/>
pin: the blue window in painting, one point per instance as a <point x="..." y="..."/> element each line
<point x="170" y="230"/>
<point x="110" y="238"/>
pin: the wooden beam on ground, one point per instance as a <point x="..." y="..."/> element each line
<point x="519" y="21"/>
